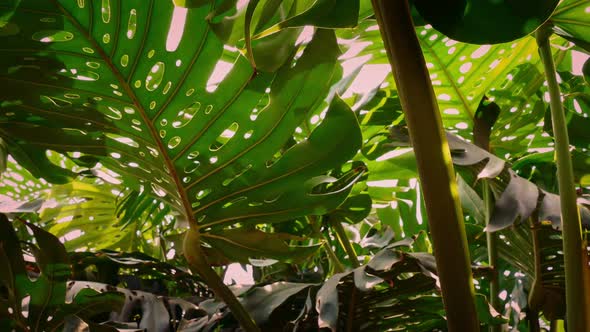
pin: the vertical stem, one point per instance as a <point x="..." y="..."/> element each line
<point x="574" y="247"/>
<point x="345" y="242"/>
<point x="336" y="265"/>
<point x="491" y="240"/>
<point x="537" y="292"/>
<point x="198" y="264"/>
<point x="433" y="158"/>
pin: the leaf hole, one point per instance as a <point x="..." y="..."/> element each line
<point x="224" y="137"/>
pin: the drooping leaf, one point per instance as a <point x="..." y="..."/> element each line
<point x="262" y="301"/>
<point x="486" y="22"/>
<point x="321" y="14"/>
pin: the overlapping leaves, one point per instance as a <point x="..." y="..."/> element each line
<point x="395" y="290"/>
<point x="45" y="301"/>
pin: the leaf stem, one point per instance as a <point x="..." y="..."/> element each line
<point x="433" y="159"/>
<point x="577" y="273"/>
<point x="491" y="240"/>
<point x="345" y="242"/>
<point x="198" y="264"/>
<point x="336" y="264"/>
<point x="536" y="293"/>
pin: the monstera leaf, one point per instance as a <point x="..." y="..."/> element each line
<point x="135" y="88"/>
<point x="462" y="74"/>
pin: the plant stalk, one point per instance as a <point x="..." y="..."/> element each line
<point x="491" y="240"/>
<point x="337" y="266"/>
<point x="345" y="242"/>
<point x="537" y="291"/>
<point x="577" y="274"/>
<point x="445" y="217"/>
<point x="198" y="264"/>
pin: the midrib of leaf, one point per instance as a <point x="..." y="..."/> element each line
<point x="147" y="121"/>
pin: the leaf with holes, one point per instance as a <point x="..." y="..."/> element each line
<point x="121" y="85"/>
<point x="462" y="74"/>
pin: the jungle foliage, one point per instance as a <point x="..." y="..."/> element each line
<point x="148" y="146"/>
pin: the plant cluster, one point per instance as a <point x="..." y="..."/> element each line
<point x="384" y="165"/>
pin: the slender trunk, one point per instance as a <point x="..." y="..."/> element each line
<point x="433" y="158"/>
<point x="574" y="247"/>
<point x="198" y="264"/>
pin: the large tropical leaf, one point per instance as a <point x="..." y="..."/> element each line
<point x="131" y="85"/>
<point x="462" y="75"/>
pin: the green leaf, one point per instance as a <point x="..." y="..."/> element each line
<point x="486" y="313"/>
<point x="470" y="200"/>
<point x="571" y="22"/>
<point x="486" y="22"/>
<point x="88" y="303"/>
<point x="354" y="209"/>
<point x="52" y="256"/>
<point x="327" y="14"/>
<point x="262" y="301"/>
